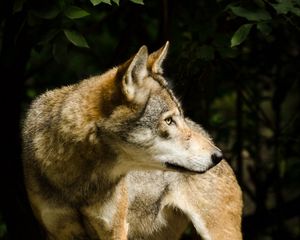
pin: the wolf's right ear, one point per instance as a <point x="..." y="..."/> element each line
<point x="135" y="73"/>
<point x="156" y="59"/>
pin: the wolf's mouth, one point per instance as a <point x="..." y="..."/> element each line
<point x="179" y="168"/>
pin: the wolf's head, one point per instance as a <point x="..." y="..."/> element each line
<point x="148" y="128"/>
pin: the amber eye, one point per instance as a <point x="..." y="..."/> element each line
<point x="169" y="120"/>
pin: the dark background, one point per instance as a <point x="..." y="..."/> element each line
<point x="233" y="64"/>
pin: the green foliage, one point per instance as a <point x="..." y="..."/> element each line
<point x="96" y="2"/>
<point x="76" y="38"/>
<point x="116" y="2"/>
<point x="107" y="2"/>
<point x="138" y="1"/>
<point x="3" y="228"/>
<point x="284" y="7"/>
<point x="74" y="12"/>
<point x="264" y="28"/>
<point x="49" y="13"/>
<point x="241" y="34"/>
<point x="257" y="14"/>
<point x="18" y="5"/>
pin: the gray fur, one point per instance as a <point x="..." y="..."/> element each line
<point x="80" y="142"/>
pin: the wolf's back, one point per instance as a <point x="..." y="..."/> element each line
<point x="40" y="129"/>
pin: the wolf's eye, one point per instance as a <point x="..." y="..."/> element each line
<point x="169" y="120"/>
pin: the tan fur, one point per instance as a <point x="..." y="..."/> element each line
<point x="120" y="224"/>
<point x="212" y="201"/>
<point x="216" y="197"/>
<point x="80" y="143"/>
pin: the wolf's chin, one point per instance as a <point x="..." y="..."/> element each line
<point x="178" y="168"/>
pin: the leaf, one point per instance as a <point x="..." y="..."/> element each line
<point x="280" y="9"/>
<point x="45" y="39"/>
<point x="138" y="1"/>
<point x="49" y="13"/>
<point x="96" y="2"/>
<point x="260" y="3"/>
<point x="116" y="2"/>
<point x="285" y="7"/>
<point x="107" y="1"/>
<point x="258" y="14"/>
<point x="240" y="35"/>
<point x="74" y="12"/>
<point x="264" y="28"/>
<point x="18" y="6"/>
<point x="3" y="229"/>
<point x="296" y="11"/>
<point x="76" y="38"/>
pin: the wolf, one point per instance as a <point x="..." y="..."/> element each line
<point x="87" y="146"/>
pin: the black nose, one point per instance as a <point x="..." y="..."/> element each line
<point x="216" y="157"/>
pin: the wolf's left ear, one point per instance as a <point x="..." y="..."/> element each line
<point x="135" y="74"/>
<point x="156" y="59"/>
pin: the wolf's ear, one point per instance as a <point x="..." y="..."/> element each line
<point x="135" y="73"/>
<point x="156" y="59"/>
